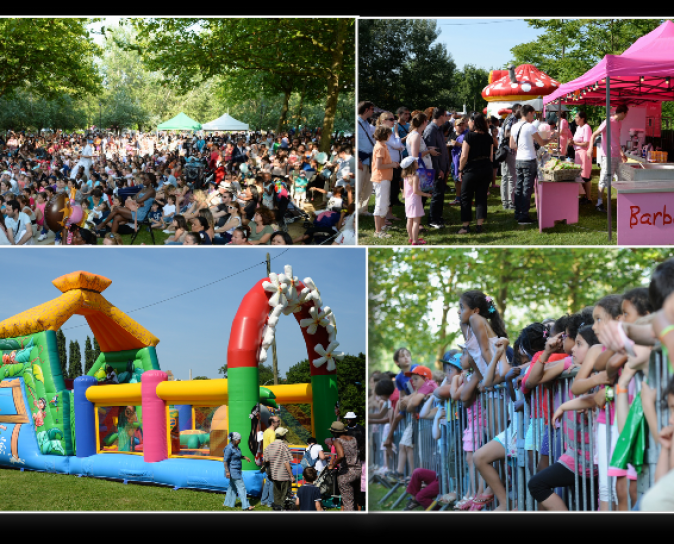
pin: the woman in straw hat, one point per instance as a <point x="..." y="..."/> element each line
<point x="346" y="450"/>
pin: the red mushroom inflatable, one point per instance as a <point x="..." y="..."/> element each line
<point x="521" y="84"/>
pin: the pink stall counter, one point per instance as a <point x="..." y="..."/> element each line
<point x="645" y="213"/>
<point x="556" y="201"/>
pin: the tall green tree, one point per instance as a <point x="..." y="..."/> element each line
<point x="399" y="64"/>
<point x="567" y="48"/>
<point x="88" y="356"/>
<point x="350" y="383"/>
<point x="468" y="89"/>
<point x="266" y="373"/>
<point x="53" y="56"/>
<point x="74" y="360"/>
<point x="62" y="354"/>
<point x="189" y="51"/>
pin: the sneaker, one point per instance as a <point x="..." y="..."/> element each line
<point x="585" y="200"/>
<point x="57" y="242"/>
<point x="42" y="238"/>
<point x="600" y="208"/>
<point x="525" y="221"/>
<point x="382" y="234"/>
<point x="437" y="225"/>
<point x="166" y="231"/>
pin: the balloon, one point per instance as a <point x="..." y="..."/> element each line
<point x="54" y="211"/>
<point x="75" y="214"/>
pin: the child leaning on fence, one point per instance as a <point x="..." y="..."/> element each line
<point x="562" y="473"/>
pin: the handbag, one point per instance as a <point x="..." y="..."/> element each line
<point x="364" y="155"/>
<point x="502" y="152"/>
<point x="426" y="177"/>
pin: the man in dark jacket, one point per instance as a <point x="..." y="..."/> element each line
<point x="434" y="137"/>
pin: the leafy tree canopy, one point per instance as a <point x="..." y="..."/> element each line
<point x="51" y="56"/>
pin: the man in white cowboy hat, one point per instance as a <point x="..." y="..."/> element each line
<point x="278" y="455"/>
<point x="353" y="428"/>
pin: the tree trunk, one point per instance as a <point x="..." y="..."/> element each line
<point x="284" y="112"/>
<point x="300" y="107"/>
<point x="333" y="86"/>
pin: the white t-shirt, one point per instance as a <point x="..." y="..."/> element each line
<point x="169" y="209"/>
<point x="314" y="452"/>
<point x="20" y="227"/>
<point x="525" y="143"/>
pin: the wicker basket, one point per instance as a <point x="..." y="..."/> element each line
<point x="567" y="174"/>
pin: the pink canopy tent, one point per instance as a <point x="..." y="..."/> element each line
<point x="641" y="74"/>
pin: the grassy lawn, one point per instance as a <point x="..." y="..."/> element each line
<point x="63" y="492"/>
<point x="500" y="227"/>
<point x="377" y="491"/>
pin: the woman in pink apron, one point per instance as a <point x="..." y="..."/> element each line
<point x="581" y="143"/>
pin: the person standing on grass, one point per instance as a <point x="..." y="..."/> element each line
<point x="268" y="437"/>
<point x="232" y="460"/>
<point x="617" y="153"/>
<point x="279" y="458"/>
<point x="522" y="140"/>
<point x="583" y="154"/>
<point x="434" y="138"/>
<point x="365" y="147"/>
<point x="382" y="173"/>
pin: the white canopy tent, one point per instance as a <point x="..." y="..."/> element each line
<point x="226" y="122"/>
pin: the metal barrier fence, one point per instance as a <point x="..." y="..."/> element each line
<point x="492" y="415"/>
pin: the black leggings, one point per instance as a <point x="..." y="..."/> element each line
<point x="475" y="181"/>
<point x="543" y="484"/>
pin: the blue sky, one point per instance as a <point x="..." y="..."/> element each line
<point x="193" y="329"/>
<point x="486" y="42"/>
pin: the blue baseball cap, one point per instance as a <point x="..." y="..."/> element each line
<point x="454" y="360"/>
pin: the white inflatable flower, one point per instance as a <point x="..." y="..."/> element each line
<point x="263" y="355"/>
<point x="311" y="292"/>
<point x="317" y="319"/>
<point x="332" y="328"/>
<point x="267" y="336"/>
<point x="327" y="355"/>
<point x="279" y="286"/>
<point x="292" y="282"/>
<point x="274" y="317"/>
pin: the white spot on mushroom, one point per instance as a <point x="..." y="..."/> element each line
<point x="487" y="92"/>
<point x="513" y="85"/>
<point x="526" y="87"/>
<point x="539" y="84"/>
<point x="554" y="84"/>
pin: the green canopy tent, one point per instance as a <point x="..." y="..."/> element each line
<point x="180" y="122"/>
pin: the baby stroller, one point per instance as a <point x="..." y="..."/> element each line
<point x="294" y="213"/>
<point x="327" y="485"/>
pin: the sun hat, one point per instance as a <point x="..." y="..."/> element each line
<point x="337" y="427"/>
<point x="350" y="415"/>
<point x="234" y="436"/>
<point x="281" y="431"/>
<point x="407" y="161"/>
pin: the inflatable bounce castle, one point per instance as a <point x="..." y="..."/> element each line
<point x="146" y="428"/>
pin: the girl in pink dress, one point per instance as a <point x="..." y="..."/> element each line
<point x="414" y="209"/>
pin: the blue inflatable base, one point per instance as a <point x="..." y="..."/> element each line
<point x="178" y="473"/>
